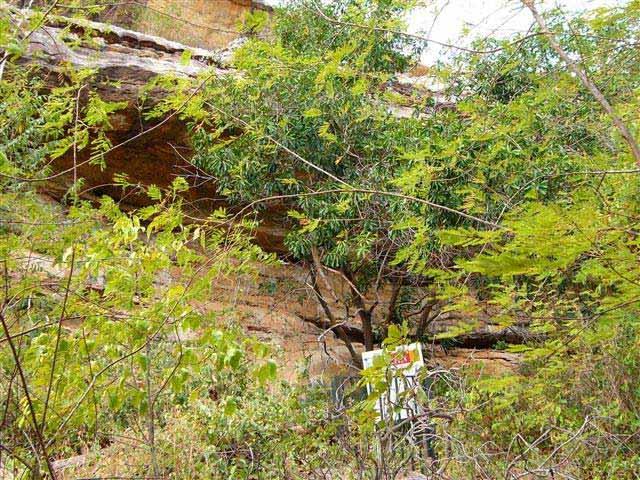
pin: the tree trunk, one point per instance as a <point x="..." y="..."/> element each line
<point x="333" y="324"/>
<point x="391" y="309"/>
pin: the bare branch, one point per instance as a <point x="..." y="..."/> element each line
<point x="580" y="72"/>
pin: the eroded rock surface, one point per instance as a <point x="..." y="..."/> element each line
<point x="272" y="304"/>
<point x="148" y="151"/>
<point x="155" y="153"/>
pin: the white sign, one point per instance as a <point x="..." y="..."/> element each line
<point x="406" y="362"/>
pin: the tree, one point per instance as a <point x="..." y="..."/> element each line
<point x="517" y="202"/>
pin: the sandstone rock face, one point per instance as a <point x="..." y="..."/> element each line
<point x="156" y="157"/>
<point x="155" y="153"/>
<point x="148" y="152"/>
<point x="201" y="23"/>
<point x="210" y="24"/>
<point x="272" y="304"/>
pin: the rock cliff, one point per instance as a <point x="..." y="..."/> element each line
<point x="157" y="151"/>
<point x="148" y="152"/>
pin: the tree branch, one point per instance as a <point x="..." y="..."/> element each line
<point x="587" y="83"/>
<point x="339" y="330"/>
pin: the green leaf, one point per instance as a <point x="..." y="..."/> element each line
<point x="312" y="113"/>
<point x="185" y="57"/>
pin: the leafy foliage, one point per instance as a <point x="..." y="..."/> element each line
<point x="505" y="199"/>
